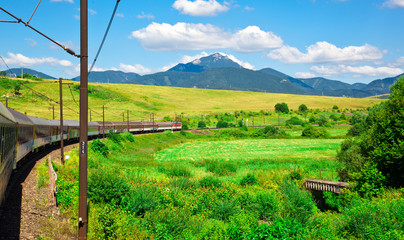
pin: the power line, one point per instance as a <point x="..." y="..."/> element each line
<point x="105" y="36"/>
<point x="68" y="50"/>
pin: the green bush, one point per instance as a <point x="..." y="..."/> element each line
<point x="107" y="187"/>
<point x="175" y="171"/>
<point x="249" y="179"/>
<point x="374" y="220"/>
<point x="298" y="203"/>
<point x="222" y="124"/>
<point x="182" y="183"/>
<point x="170" y="223"/>
<point x="313" y="132"/>
<point x="224" y="209"/>
<point x="127" y="136"/>
<point x="268" y="205"/>
<point x="115" y="137"/>
<point x="282" y="107"/>
<point x="201" y="124"/>
<point x="294" y="121"/>
<point x="283" y="228"/>
<point x="99" y="147"/>
<point x="221" y="168"/>
<point x="142" y="200"/>
<point x="210" y="181"/>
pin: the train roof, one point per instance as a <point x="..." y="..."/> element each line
<point x="5" y="112"/>
<point x="20" y="118"/>
<point x="42" y="121"/>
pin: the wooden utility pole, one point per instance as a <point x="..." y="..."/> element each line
<point x="127" y="116"/>
<point x="6" y="101"/>
<point x="62" y="158"/>
<point x="103" y="122"/>
<point x="83" y="222"/>
<point x="53" y="112"/>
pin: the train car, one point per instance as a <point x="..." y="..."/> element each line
<point x="8" y="136"/>
<point x="25" y="134"/>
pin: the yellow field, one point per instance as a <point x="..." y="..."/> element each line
<point x="142" y="100"/>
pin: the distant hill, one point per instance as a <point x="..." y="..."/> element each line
<point x="13" y="72"/>
<point x="222" y="78"/>
<point x="216" y="60"/>
<point x="380" y="86"/>
<point x="109" y="77"/>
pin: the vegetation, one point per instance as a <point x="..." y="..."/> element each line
<point x="375" y="157"/>
<point x="282" y="107"/>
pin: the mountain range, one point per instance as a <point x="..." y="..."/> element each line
<point x="219" y="71"/>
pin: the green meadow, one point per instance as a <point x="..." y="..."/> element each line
<point x="220" y="184"/>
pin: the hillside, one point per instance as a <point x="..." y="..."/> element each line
<point x="109" y="77"/>
<point x="142" y="100"/>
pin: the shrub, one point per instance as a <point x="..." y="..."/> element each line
<point x="170" y="223"/>
<point x="294" y="121"/>
<point x="182" y="183"/>
<point x="268" y="205"/>
<point x="127" y="136"/>
<point x="210" y="181"/>
<point x="175" y="171"/>
<point x="335" y="107"/>
<point x="141" y="200"/>
<point x="303" y="108"/>
<point x="99" y="147"/>
<point x="299" y="204"/>
<point x="221" y="167"/>
<point x="115" y="137"/>
<point x="249" y="179"/>
<point x="184" y="126"/>
<point x="323" y="121"/>
<point x="201" y="124"/>
<point x="283" y="228"/>
<point x="222" y="124"/>
<point x="312" y="132"/>
<point x="107" y="187"/>
<point x="282" y="107"/>
<point x="224" y="209"/>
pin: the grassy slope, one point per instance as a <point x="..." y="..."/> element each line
<point x="142" y="100"/>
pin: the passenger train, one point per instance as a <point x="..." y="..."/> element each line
<point x="21" y="134"/>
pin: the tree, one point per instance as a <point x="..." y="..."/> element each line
<point x="335" y="107"/>
<point x="201" y="124"/>
<point x="303" y="108"/>
<point x="17" y="89"/>
<point x="381" y="144"/>
<point x="282" y="107"/>
<point x="3" y="73"/>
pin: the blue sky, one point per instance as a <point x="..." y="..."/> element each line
<point x="347" y="40"/>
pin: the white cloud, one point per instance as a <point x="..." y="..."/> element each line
<point x="31" y="42"/>
<point x="147" y="16"/>
<point x="69" y="1"/>
<point x="69" y="44"/>
<point x="189" y="36"/>
<point x="361" y="71"/>
<point x="137" y="68"/>
<point x="393" y="3"/>
<point x="248" y="8"/>
<point x="21" y="60"/>
<point x="253" y="39"/>
<point x="187" y="58"/>
<point x="398" y="62"/>
<point x="324" y="52"/>
<point x="200" y="7"/>
<point x="120" y="15"/>
<point x="92" y="12"/>
<point x="304" y="75"/>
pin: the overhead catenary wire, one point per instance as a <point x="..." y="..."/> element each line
<point x="103" y="39"/>
<point x="34" y="11"/>
<point x="68" y="50"/>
